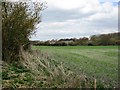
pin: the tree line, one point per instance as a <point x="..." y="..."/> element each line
<point x="94" y="40"/>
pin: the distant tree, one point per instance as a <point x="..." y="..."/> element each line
<point x="94" y="39"/>
<point x="117" y="42"/>
<point x="18" y="23"/>
<point x="104" y="40"/>
<point x="112" y="41"/>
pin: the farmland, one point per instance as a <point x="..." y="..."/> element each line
<point x="100" y="62"/>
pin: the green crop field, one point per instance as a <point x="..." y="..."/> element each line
<point x="100" y="62"/>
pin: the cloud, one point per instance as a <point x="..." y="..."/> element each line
<point x="69" y="5"/>
<point x="74" y="28"/>
<point x="82" y="6"/>
<point x="76" y="18"/>
<point x="88" y="20"/>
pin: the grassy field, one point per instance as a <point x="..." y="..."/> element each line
<point x="100" y="62"/>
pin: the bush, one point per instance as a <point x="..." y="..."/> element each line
<point x="18" y="23"/>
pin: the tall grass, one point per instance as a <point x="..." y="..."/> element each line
<point x="43" y="71"/>
<point x="51" y="72"/>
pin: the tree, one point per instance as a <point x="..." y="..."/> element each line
<point x="94" y="39"/>
<point x="104" y="39"/>
<point x="19" y="20"/>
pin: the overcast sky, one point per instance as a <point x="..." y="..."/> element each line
<point x="77" y="18"/>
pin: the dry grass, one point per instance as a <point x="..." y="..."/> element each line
<point x="50" y="73"/>
<point x="38" y="69"/>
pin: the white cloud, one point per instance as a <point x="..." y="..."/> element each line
<point x="90" y="18"/>
<point x="106" y="13"/>
<point x="103" y="20"/>
<point x="69" y="4"/>
<point x="74" y="28"/>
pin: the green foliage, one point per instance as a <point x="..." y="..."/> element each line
<point x="18" y="23"/>
<point x="15" y="75"/>
<point x="100" y="62"/>
<point x="105" y="39"/>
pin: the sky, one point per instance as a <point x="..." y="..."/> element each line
<point x="77" y="18"/>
